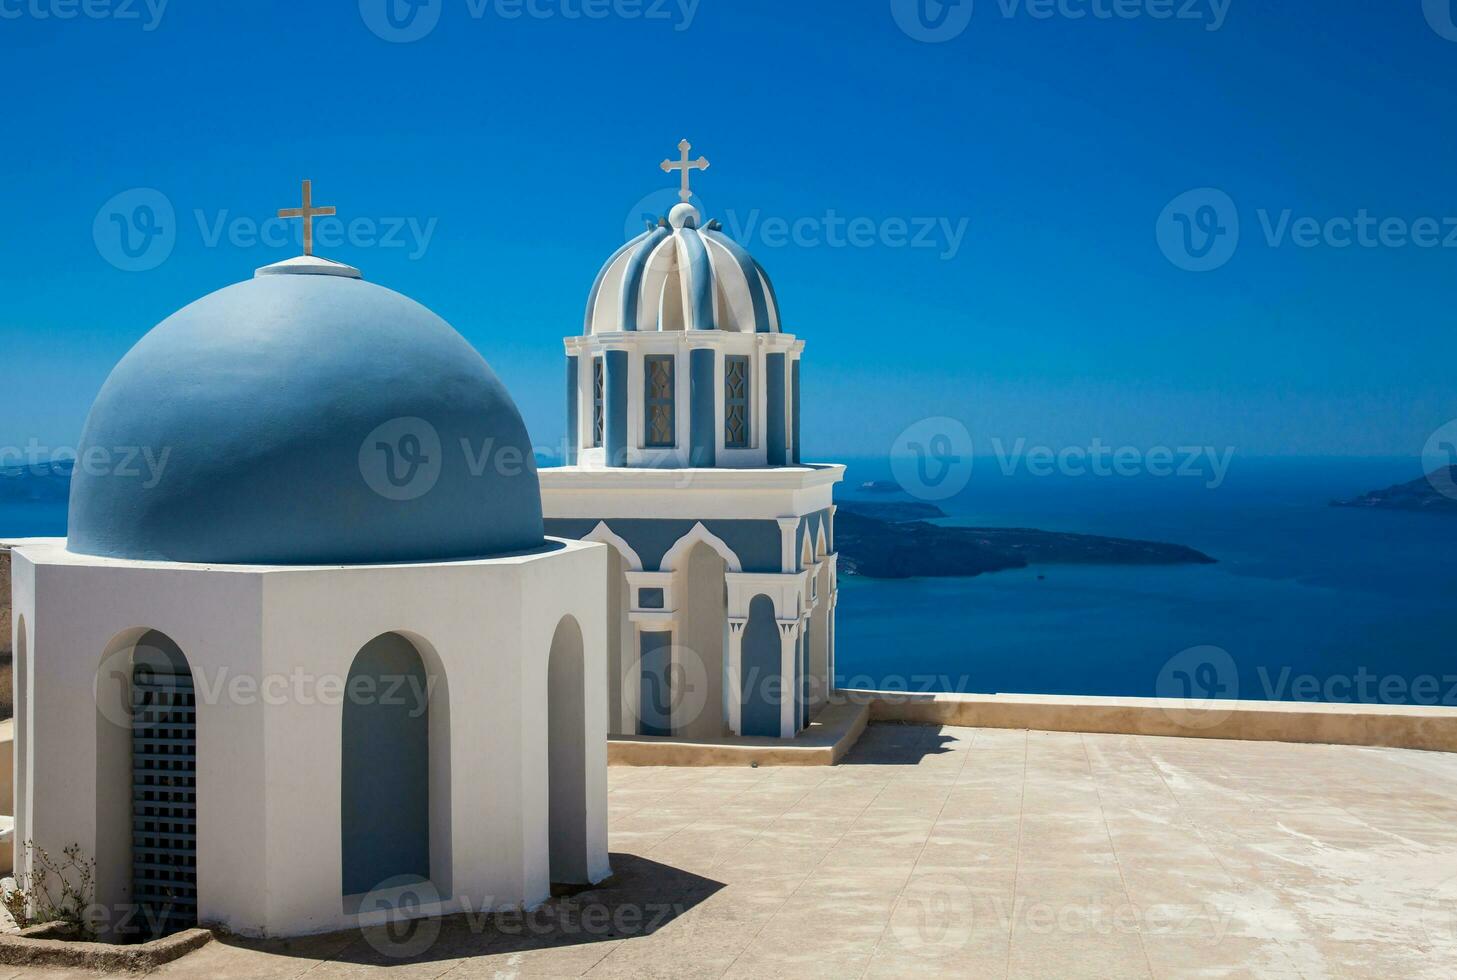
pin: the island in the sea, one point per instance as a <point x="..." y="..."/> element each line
<point x="1435" y="493"/>
<point x="894" y="539"/>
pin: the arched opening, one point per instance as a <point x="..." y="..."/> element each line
<point x="698" y="657"/>
<point x="677" y="554"/>
<point x="146" y="784"/>
<point x="566" y="723"/>
<point x="819" y="643"/>
<point x="762" y="676"/>
<point x="385" y="777"/>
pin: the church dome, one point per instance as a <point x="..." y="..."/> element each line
<point x="304" y="417"/>
<point x="678" y="276"/>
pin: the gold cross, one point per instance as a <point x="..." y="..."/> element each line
<point x="308" y="212"/>
<point x="687" y="166"/>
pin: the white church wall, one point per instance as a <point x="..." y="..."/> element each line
<point x="577" y="589"/>
<point x="621" y="652"/>
<point x="85" y="619"/>
<point x="270" y="650"/>
<point x="323" y="618"/>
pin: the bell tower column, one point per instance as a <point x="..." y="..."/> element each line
<point x="574" y="397"/>
<point x="794" y="409"/>
<point x="703" y="428"/>
<point x="615" y="396"/>
<point x="774" y="434"/>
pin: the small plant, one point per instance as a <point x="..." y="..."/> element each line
<point x="33" y="900"/>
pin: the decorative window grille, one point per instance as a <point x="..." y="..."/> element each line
<point x="658" y="423"/>
<point x="164" y="798"/>
<point x="597" y="402"/>
<point x="736" y="402"/>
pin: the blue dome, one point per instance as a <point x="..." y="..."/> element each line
<point x="304" y="419"/>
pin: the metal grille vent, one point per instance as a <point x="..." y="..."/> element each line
<point x="164" y="799"/>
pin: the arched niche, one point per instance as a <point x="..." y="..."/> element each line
<point x="566" y="713"/>
<point x="395" y="768"/>
<point x="698" y="655"/>
<point x="762" y="681"/>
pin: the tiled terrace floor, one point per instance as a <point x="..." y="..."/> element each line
<point x="980" y="853"/>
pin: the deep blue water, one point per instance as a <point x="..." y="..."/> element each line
<point x="1308" y="601"/>
<point x="1337" y="600"/>
<point x="32" y="520"/>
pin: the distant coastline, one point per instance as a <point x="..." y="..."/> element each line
<point x="1424" y="494"/>
<point x="895" y="539"/>
<point x="880" y="539"/>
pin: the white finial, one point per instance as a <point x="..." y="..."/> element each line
<point x="687" y="166"/>
<point x="683" y="214"/>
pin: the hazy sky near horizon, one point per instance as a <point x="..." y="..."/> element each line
<point x="970" y="228"/>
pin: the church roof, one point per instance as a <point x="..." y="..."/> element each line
<point x="304" y="416"/>
<point x="680" y="276"/>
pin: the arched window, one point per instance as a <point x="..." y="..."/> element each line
<point x="736" y="393"/>
<point x="598" y="401"/>
<point x="659" y="402"/>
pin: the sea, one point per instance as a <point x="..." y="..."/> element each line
<point x="1307" y="602"/>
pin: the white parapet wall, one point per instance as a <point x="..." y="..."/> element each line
<point x="1394" y="726"/>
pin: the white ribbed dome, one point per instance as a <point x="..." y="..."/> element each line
<point x="677" y="276"/>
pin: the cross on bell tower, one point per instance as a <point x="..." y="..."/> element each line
<point x="308" y="212"/>
<point x="687" y="166"/>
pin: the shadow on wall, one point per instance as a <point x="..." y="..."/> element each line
<point x="639" y="899"/>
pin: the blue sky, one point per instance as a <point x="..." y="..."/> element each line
<point x="1040" y="149"/>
